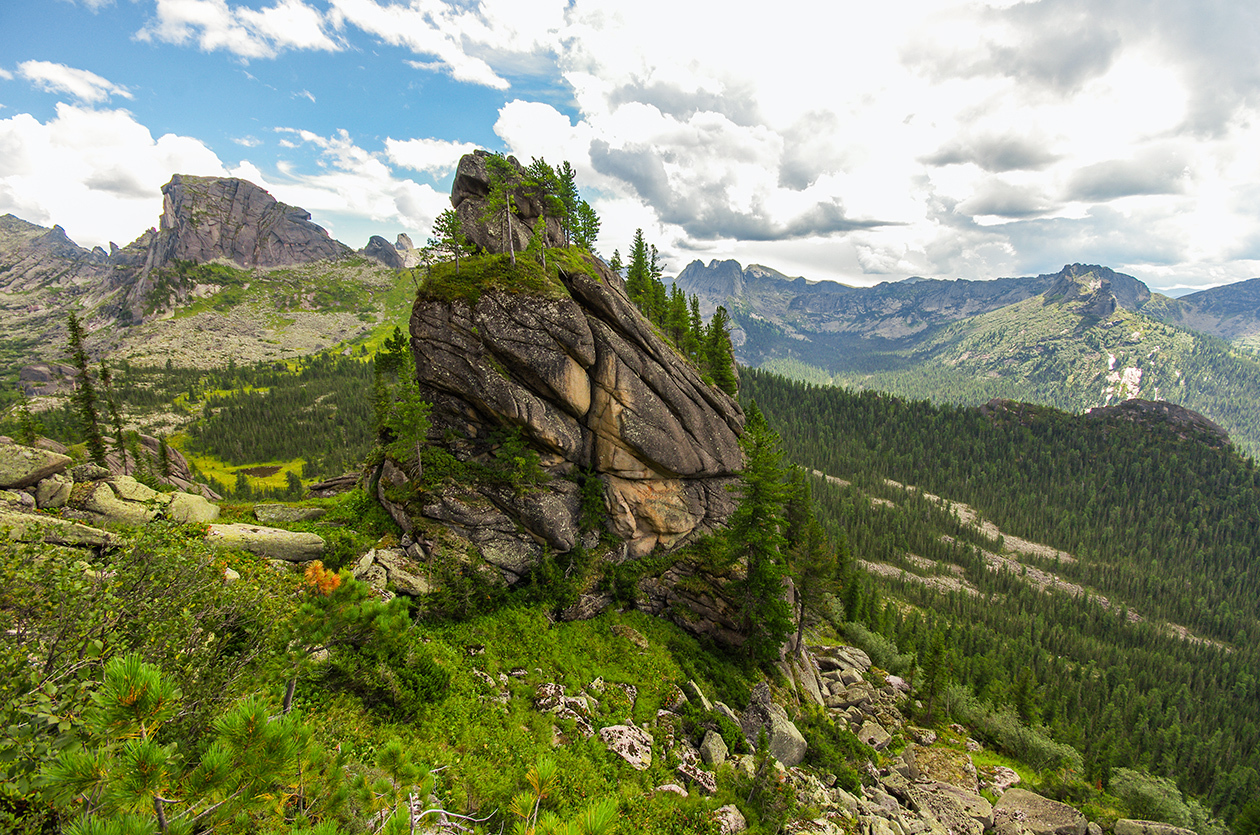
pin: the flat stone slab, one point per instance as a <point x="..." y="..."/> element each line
<point x="1022" y="811"/>
<point x="282" y="514"/>
<point x="1125" y="826"/>
<point x="272" y="543"/>
<point x="31" y="527"/>
<point x="23" y="466"/>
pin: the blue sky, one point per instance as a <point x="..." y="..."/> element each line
<point x="850" y="141"/>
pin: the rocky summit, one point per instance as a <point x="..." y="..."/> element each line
<point x="204" y="218"/>
<point x="469" y="196"/>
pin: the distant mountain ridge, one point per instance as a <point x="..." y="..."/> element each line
<point x="1082" y="338"/>
<point x="251" y="246"/>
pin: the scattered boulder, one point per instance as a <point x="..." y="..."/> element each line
<point x="786" y="743"/>
<point x="283" y="514"/>
<point x="1019" y="811"/>
<point x="872" y="734"/>
<point x="188" y="508"/>
<point x="53" y="492"/>
<point x="713" y="749"/>
<point x="704" y="781"/>
<point x="24" y="466"/>
<point x="632" y="744"/>
<point x="100" y="503"/>
<point x="272" y="543"/>
<point x="31" y="527"/>
<point x="1125" y="826"/>
<point x="730" y="820"/>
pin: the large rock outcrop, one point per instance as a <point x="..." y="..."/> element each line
<point x="469" y="195"/>
<point x="589" y="383"/>
<point x="204" y="218"/>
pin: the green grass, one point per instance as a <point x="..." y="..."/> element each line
<point x="496" y="272"/>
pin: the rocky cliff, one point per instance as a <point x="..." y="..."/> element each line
<point x="469" y="195"/>
<point x="204" y="218"/>
<point x="562" y="360"/>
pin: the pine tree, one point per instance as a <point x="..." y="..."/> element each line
<point x="115" y="418"/>
<point x="755" y="538"/>
<point x="718" y="356"/>
<point x="638" y="276"/>
<point x="500" y="202"/>
<point x="615" y="264"/>
<point x="85" y="393"/>
<point x="448" y="237"/>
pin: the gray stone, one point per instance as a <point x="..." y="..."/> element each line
<point x="204" y="218"/>
<point x="1019" y="810"/>
<point x="31" y="527"/>
<point x="272" y="543"/>
<point x="89" y="472"/>
<point x="53" y="491"/>
<point x="873" y="735"/>
<point x="186" y="508"/>
<point x="403" y="572"/>
<point x="24" y="466"/>
<point x="129" y="490"/>
<point x="103" y="506"/>
<point x="1125" y="826"/>
<point x="632" y="744"/>
<point x="693" y="691"/>
<point x="713" y="749"/>
<point x="283" y="514"/>
<point x="382" y="250"/>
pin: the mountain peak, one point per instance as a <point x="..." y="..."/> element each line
<point x="1100" y="289"/>
<point x="204" y="218"/>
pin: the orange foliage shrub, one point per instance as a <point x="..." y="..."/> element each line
<point x="321" y="579"/>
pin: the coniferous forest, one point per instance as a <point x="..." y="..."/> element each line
<point x="1161" y="531"/>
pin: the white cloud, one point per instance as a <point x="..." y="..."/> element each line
<point x="438" y="157"/>
<point x="5" y="74"/>
<point x="97" y="173"/>
<point x="355" y="193"/>
<point x="87" y="87"/>
<point x="214" y="25"/>
<point x="467" y="41"/>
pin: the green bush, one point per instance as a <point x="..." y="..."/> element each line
<point x="834" y="748"/>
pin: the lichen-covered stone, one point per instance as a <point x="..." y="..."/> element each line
<point x="1019" y="811"/>
<point x="24" y="466"/>
<point x="272" y="543"/>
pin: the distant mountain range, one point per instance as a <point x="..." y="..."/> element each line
<point x="1084" y="337"/>
<point x="229" y="273"/>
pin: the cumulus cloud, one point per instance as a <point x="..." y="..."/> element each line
<point x="466" y="41"/>
<point x="97" y="173"/>
<point x="355" y="189"/>
<point x="86" y="87"/>
<point x="995" y="153"/>
<point x="1148" y="173"/>
<point x="430" y="156"/>
<point x="248" y="33"/>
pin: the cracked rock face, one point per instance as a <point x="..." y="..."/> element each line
<point x="204" y="218"/>
<point x="591" y="386"/>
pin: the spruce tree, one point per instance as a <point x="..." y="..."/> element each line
<point x="755" y="538"/>
<point x="84" y="398"/>
<point x="717" y="352"/>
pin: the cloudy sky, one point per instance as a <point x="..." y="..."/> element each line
<point x="860" y="142"/>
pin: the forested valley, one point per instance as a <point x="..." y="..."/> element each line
<point x="1153" y="666"/>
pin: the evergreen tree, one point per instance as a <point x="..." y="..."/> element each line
<point x="615" y="264"/>
<point x="718" y="356"/>
<point x="501" y="202"/>
<point x="638" y="276"/>
<point x="115" y="418"/>
<point x="448" y="237"/>
<point x="85" y="393"/>
<point x="755" y="539"/>
<point x="586" y="228"/>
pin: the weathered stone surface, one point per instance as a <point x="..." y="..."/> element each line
<point x="283" y="514"/>
<point x="89" y="472"/>
<point x="468" y="196"/>
<point x="382" y="250"/>
<point x="873" y="735"/>
<point x="1125" y="826"/>
<point x="53" y="491"/>
<point x="730" y="820"/>
<point x="98" y="502"/>
<point x="24" y="466"/>
<point x="713" y="749"/>
<point x="855" y="695"/>
<point x="693" y="775"/>
<point x="272" y="543"/>
<point x="187" y="508"/>
<point x="590" y="384"/>
<point x="632" y="744"/>
<point x="1022" y="811"/>
<point x="403" y="572"/>
<point x="31" y="527"/>
<point x="785" y="741"/>
<point x="586" y="607"/>
<point x="204" y="218"/>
